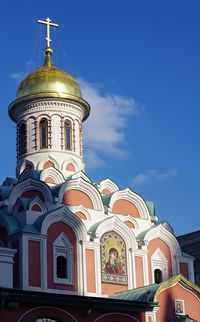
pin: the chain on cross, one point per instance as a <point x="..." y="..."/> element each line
<point x="48" y="23"/>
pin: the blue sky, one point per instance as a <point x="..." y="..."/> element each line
<point x="138" y="63"/>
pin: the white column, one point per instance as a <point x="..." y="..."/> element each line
<point x="6" y="266"/>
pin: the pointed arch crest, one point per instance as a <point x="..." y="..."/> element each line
<point x="68" y="162"/>
<point x="107" y="186"/>
<point x="53" y="173"/>
<point x="78" y="191"/>
<point x="129" y="197"/>
<point x="28" y="186"/>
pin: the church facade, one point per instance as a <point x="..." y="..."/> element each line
<point x="72" y="249"/>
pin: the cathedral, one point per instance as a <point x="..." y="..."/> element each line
<point x="72" y="249"/>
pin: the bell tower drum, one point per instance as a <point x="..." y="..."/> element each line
<point x="49" y="111"/>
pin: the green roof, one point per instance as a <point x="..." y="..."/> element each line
<point x="151" y="207"/>
<point x="93" y="228"/>
<point x="141" y="294"/>
<point x="11" y="223"/>
<point x="106" y="199"/>
<point x="149" y="294"/>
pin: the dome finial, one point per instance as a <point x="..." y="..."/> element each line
<point x="48" y="23"/>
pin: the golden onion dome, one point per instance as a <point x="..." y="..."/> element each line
<point x="48" y="81"/>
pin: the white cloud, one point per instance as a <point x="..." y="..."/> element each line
<point x="104" y="129"/>
<point x="18" y="76"/>
<point x="154" y="175"/>
<point x="92" y="159"/>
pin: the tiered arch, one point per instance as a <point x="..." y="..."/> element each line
<point x="78" y="192"/>
<point x="30" y="188"/>
<point x="52" y="176"/>
<point x="126" y="202"/>
<point x="107" y="186"/>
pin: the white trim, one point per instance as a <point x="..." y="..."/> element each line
<point x="83" y="186"/>
<point x="54" y="173"/>
<point x="132" y="197"/>
<point x="107" y="184"/>
<point x="159" y="261"/>
<point x="171" y="241"/>
<point x="63" y="247"/>
<point x="28" y="185"/>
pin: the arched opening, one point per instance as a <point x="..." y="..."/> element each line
<point x="43" y="133"/>
<point x="68" y="135"/>
<point x="61" y="265"/>
<point x="22" y="139"/>
<point x="157" y="276"/>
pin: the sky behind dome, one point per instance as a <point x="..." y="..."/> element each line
<point x="138" y="64"/>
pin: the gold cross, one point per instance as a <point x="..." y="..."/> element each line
<point x="48" y="23"/>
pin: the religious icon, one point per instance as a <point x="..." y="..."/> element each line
<point x="179" y="307"/>
<point x="114" y="269"/>
<point x="113" y="266"/>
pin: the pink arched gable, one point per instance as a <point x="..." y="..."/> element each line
<point x="125" y="207"/>
<point x="151" y="248"/>
<point x="53" y="232"/>
<point x="76" y="197"/>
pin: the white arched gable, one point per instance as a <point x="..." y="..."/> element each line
<point x="54" y="173"/>
<point x="86" y="187"/>
<point x="108" y="184"/>
<point x="82" y="175"/>
<point x="81" y="209"/>
<point x="160" y="232"/>
<point x="131" y="219"/>
<point x="115" y="224"/>
<point x="159" y="261"/>
<point x="65" y="163"/>
<point x="37" y="201"/>
<point x="49" y="158"/>
<point x="27" y="185"/>
<point x="65" y="215"/>
<point x="132" y="197"/>
<point x="159" y="256"/>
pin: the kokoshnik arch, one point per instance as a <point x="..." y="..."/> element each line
<point x="72" y="249"/>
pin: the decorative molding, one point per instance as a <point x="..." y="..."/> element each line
<point x="27" y="185"/>
<point x="107" y="184"/>
<point x="134" y="198"/>
<point x="87" y="188"/>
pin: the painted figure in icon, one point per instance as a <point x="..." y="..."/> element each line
<point x="113" y="266"/>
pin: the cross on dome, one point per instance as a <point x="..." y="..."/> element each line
<point x="48" y="23"/>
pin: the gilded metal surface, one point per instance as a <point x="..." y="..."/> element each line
<point x="48" y="79"/>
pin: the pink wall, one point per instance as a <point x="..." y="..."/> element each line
<point x="184" y="269"/>
<point x="76" y="197"/>
<point x="125" y="207"/>
<point x="34" y="264"/>
<point x="167" y="299"/>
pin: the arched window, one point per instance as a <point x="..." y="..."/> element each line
<point x="68" y="135"/>
<point x="61" y="264"/>
<point x="157" y="276"/>
<point x="43" y="133"/>
<point x="22" y="139"/>
<point x="62" y="260"/>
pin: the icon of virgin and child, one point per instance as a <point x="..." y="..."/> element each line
<point x="113" y="265"/>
